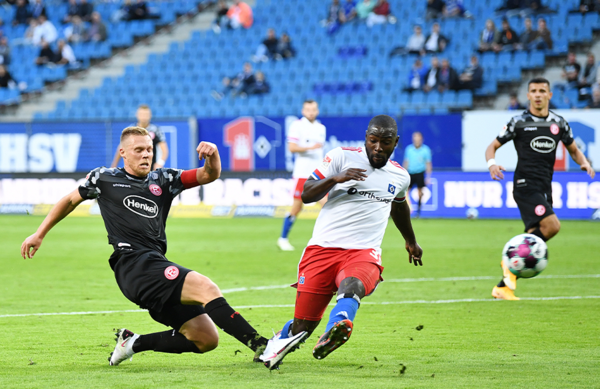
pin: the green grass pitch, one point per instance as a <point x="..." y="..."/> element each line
<point x="552" y="343"/>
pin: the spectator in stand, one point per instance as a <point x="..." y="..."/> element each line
<point x="76" y="32"/>
<point x="268" y="48"/>
<point x="595" y="101"/>
<point x="447" y="77"/>
<point x="571" y="71"/>
<point x="285" y="48"/>
<point x="46" y="54"/>
<point x="137" y="11"/>
<point x="45" y="30"/>
<point x="586" y="6"/>
<point x="489" y="35"/>
<point x="590" y="72"/>
<point x="416" y="77"/>
<point x="6" y="80"/>
<point x="364" y="8"/>
<point x="64" y="54"/>
<point x="543" y="41"/>
<point x="432" y="75"/>
<point x="416" y="41"/>
<point x="435" y="9"/>
<point x="242" y="81"/>
<point x="22" y="13"/>
<point x="28" y="35"/>
<point x="472" y="77"/>
<point x="72" y="11"/>
<point x="260" y="86"/>
<point x="436" y="42"/>
<point x="4" y="51"/>
<point x="455" y="9"/>
<point x="97" y="31"/>
<point x="221" y="17"/>
<point x="508" y="39"/>
<point x="335" y="17"/>
<point x="380" y="15"/>
<point x="38" y="9"/>
<point x="513" y="103"/>
<point x="85" y="10"/>
<point x="528" y="35"/>
<point x="349" y="10"/>
<point x="240" y="15"/>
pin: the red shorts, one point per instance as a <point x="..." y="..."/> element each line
<point x="299" y="187"/>
<point x="321" y="270"/>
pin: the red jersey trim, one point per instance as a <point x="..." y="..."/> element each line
<point x="188" y="178"/>
<point x="396" y="164"/>
<point x="318" y="175"/>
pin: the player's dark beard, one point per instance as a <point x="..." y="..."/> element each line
<point x="377" y="164"/>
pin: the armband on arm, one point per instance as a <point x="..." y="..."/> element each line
<point x="189" y="178"/>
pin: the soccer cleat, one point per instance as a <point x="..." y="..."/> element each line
<point x="510" y="279"/>
<point x="124" y="347"/>
<point x="278" y="348"/>
<point x="284" y="244"/>
<point x="332" y="339"/>
<point x="504" y="293"/>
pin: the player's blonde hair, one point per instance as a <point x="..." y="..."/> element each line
<point x="134" y="130"/>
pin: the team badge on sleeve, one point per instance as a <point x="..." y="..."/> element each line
<point x="391" y="189"/>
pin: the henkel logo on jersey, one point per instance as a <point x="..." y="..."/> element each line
<point x="543" y="144"/>
<point x="239" y="136"/>
<point x="141" y="206"/>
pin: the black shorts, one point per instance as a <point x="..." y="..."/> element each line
<point x="151" y="281"/>
<point x="417" y="179"/>
<point x="534" y="205"/>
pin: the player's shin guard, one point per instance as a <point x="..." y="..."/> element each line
<point x="233" y="323"/>
<point x="346" y="307"/>
<point x="286" y="330"/>
<point x="537" y="232"/>
<point x="165" y="342"/>
<point x="288" y="222"/>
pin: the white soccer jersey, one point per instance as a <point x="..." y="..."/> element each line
<point x="356" y="213"/>
<point x="306" y="134"/>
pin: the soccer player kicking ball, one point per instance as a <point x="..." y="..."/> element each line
<point x="134" y="203"/>
<point x="535" y="134"/>
<point x="344" y="254"/>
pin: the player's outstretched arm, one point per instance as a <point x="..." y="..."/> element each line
<point x="315" y="190"/>
<point x="495" y="169"/>
<point x="65" y="206"/>
<point x="581" y="160"/>
<point x="401" y="216"/>
<point x="212" y="165"/>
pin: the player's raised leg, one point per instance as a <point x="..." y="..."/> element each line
<point x="199" y="289"/>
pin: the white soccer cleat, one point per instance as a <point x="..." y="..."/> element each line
<point x="278" y="348"/>
<point x="124" y="348"/>
<point x="284" y="244"/>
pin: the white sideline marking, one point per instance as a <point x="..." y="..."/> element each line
<point x="445" y="279"/>
<point x="292" y="305"/>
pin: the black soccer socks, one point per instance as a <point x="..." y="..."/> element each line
<point x="233" y="323"/>
<point x="172" y="342"/>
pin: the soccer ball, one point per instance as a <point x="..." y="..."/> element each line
<point x="525" y="255"/>
<point x="472" y="213"/>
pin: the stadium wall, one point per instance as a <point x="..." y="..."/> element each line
<point x="40" y="162"/>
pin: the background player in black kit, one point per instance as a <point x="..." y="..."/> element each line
<point x="134" y="203"/>
<point x="535" y="133"/>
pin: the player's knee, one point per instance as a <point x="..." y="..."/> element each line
<point x="205" y="342"/>
<point x="550" y="227"/>
<point x="205" y="288"/>
<point x="352" y="285"/>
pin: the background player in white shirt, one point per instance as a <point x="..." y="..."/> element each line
<point x="344" y="254"/>
<point x="305" y="138"/>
